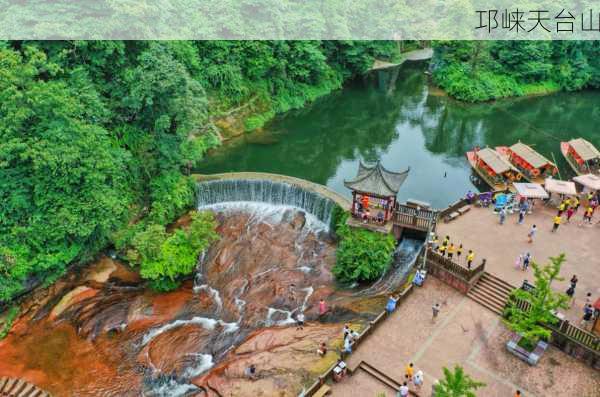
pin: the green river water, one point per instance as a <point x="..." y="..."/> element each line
<point x="407" y="126"/>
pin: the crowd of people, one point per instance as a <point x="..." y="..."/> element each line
<point x="569" y="207"/>
<point x="452" y="251"/>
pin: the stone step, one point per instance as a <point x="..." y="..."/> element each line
<point x="498" y="282"/>
<point x="11" y="387"/>
<point x="377" y="374"/>
<point x="494" y="308"/>
<point x="491" y="290"/>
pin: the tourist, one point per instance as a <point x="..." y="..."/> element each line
<point x="346" y="330"/>
<point x="322" y="350"/>
<point x="588" y="311"/>
<point x="587" y="215"/>
<point x="526" y="261"/>
<point x="570" y="292"/>
<point x="518" y="393"/>
<point x="531" y="233"/>
<point x="250" y="372"/>
<point x="459" y="253"/>
<point x="409" y="371"/>
<point x="570" y="213"/>
<point x="418" y="379"/>
<point x="470" y="197"/>
<point x="574" y="281"/>
<point x="502" y="214"/>
<point x="521" y="216"/>
<point x="380" y="217"/>
<point x="442" y="250"/>
<point x="470" y="257"/>
<point x="391" y="304"/>
<point x="588" y="298"/>
<point x="436" y="310"/>
<point x="299" y="321"/>
<point x="576" y="203"/>
<point x="561" y="208"/>
<point x="557" y="220"/>
<point x="519" y="262"/>
<point x="354" y="335"/>
<point x="403" y="391"/>
<point x="451" y="250"/>
<point x="446" y="241"/>
<point x="348" y="345"/>
<point x="435" y="243"/>
<point x="292" y="292"/>
<point x="322" y="307"/>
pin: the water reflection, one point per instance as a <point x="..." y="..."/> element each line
<point x="407" y="126"/>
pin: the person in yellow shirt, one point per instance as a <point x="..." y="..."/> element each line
<point x="442" y="250"/>
<point x="451" y="250"/>
<point x="410" y="371"/>
<point x="470" y="257"/>
<point x="576" y="203"/>
<point x="557" y="221"/>
<point x="587" y="216"/>
<point x="561" y="208"/>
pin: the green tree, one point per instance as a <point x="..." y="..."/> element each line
<point x="362" y="255"/>
<point x="541" y="301"/>
<point x="165" y="258"/>
<point x="456" y="383"/>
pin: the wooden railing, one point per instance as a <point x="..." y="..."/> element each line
<point x="564" y="329"/>
<point x="421" y="219"/>
<point x="373" y="324"/>
<point x="453" y="267"/>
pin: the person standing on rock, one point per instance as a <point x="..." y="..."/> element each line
<point x="322" y="308"/>
<point x="300" y="321"/>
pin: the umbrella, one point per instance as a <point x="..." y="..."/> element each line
<point x="531" y="190"/>
<point x="590" y="181"/>
<point x="561" y="187"/>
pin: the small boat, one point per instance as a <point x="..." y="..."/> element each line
<point x="533" y="166"/>
<point x="494" y="169"/>
<point x="582" y="156"/>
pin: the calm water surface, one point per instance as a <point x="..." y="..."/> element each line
<point x="407" y="126"/>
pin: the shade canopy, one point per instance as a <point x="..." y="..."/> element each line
<point x="590" y="181"/>
<point x="561" y="187"/>
<point x="535" y="159"/>
<point x="493" y="160"/>
<point x="531" y="190"/>
<point x="584" y="149"/>
<point x="376" y="180"/>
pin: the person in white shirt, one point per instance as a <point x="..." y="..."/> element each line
<point x="403" y="392"/>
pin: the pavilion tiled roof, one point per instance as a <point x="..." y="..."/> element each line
<point x="375" y="179"/>
<point x="584" y="149"/>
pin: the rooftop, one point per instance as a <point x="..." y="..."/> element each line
<point x="493" y="159"/>
<point x="377" y="180"/>
<point x="584" y="149"/>
<point x="528" y="154"/>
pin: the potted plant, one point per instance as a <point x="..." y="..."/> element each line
<point x="529" y="310"/>
<point x="456" y="384"/>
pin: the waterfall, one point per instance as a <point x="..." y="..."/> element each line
<point x="265" y="191"/>
<point x="405" y="256"/>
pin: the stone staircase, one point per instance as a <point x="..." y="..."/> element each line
<point x="382" y="377"/>
<point x="491" y="292"/>
<point x="11" y="387"/>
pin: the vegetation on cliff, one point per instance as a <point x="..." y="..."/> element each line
<point x="475" y="71"/>
<point x="97" y="136"/>
<point x="362" y="255"/>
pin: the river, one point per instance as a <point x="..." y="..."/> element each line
<point x="408" y="125"/>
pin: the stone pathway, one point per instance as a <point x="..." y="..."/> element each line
<point x="501" y="244"/>
<point x="467" y="334"/>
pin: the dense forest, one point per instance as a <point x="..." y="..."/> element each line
<point x="476" y="71"/>
<point x="98" y="137"/>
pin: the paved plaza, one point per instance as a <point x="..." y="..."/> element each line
<point x="479" y="230"/>
<point x="467" y="334"/>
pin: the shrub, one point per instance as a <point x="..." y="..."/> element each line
<point x="164" y="259"/>
<point x="456" y="384"/>
<point x="362" y="255"/>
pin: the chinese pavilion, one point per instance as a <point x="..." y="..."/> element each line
<point x="374" y="192"/>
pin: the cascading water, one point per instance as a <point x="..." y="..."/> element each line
<point x="264" y="191"/>
<point x="405" y="256"/>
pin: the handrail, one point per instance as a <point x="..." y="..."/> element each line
<point x="453" y="267"/>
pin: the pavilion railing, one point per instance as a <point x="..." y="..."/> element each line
<point x="413" y="217"/>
